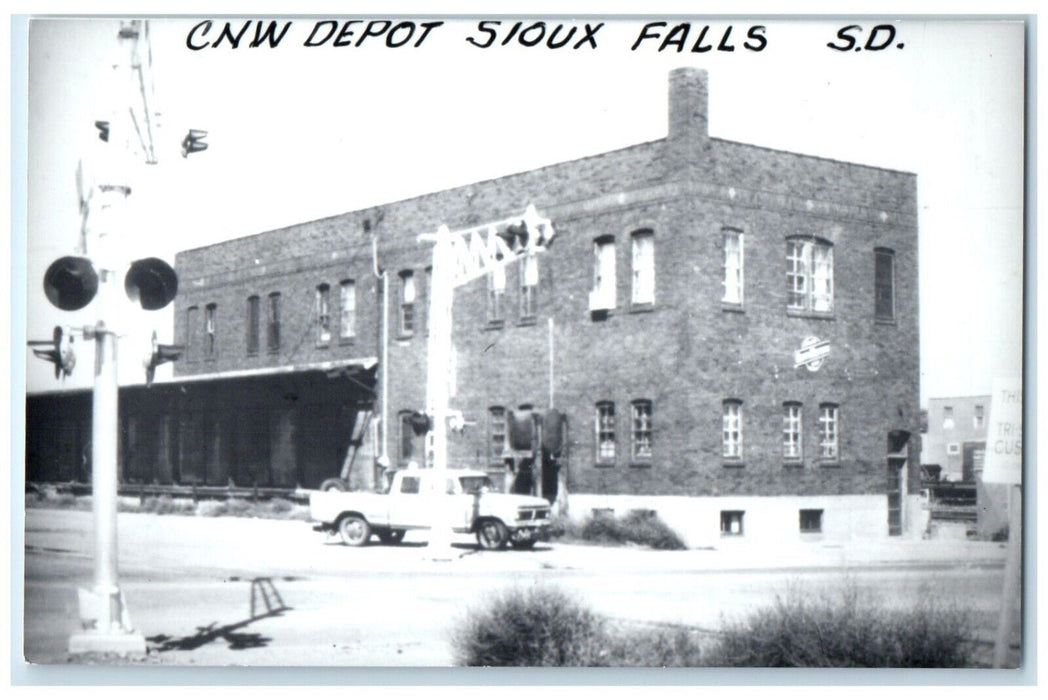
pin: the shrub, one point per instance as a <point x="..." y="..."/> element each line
<point x="640" y="527"/>
<point x="816" y="629"/>
<point x="540" y="626"/>
<point x="543" y="626"/>
<point x="165" y="505"/>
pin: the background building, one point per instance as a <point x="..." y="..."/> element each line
<point x="731" y="332"/>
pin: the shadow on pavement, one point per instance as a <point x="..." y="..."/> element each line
<point x="265" y="602"/>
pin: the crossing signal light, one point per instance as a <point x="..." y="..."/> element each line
<point x="194" y="142"/>
<point x="151" y="283"/>
<point x="103" y="130"/>
<point x="70" y="283"/>
<point x="159" y="354"/>
<point x="58" y="351"/>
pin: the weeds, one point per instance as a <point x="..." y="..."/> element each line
<point x="641" y="528"/>
<point x="844" y="629"/>
<point x="273" y="509"/>
<point x="543" y="626"/>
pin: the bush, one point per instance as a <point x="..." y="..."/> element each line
<point x="543" y="626"/>
<point x="640" y="527"/>
<point x="165" y="505"/>
<point x="815" y="629"/>
<point x="534" y="627"/>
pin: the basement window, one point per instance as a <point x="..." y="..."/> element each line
<point x="811" y="520"/>
<point x="731" y="523"/>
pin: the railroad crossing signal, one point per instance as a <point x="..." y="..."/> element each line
<point x="58" y="351"/>
<point x="159" y="354"/>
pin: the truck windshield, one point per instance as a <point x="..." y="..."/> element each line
<point x="473" y="484"/>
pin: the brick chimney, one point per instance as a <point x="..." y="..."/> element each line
<point x="687" y="143"/>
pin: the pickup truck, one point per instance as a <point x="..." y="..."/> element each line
<point x="469" y="502"/>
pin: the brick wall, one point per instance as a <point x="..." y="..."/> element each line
<point x="686" y="353"/>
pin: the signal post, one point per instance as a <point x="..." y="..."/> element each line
<point x="91" y="278"/>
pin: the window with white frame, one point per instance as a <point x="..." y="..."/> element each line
<point x="642" y="244"/>
<point x="322" y="308"/>
<point x="792" y="432"/>
<point x="605" y="426"/>
<point x="641" y="436"/>
<point x="347" y="309"/>
<point x="254" y="323"/>
<point x="809" y="275"/>
<point x="884" y="284"/>
<point x="732" y="430"/>
<point x="733" y="269"/>
<point x="496" y="295"/>
<point x="979" y="417"/>
<point x="953" y="448"/>
<point x="829" y="432"/>
<point x="407" y="302"/>
<point x="529" y="285"/>
<point x="210" y="311"/>
<point x="731" y="522"/>
<point x="602" y="297"/>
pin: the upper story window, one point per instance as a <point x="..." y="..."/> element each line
<point x="407" y="302"/>
<point x="733" y="257"/>
<point x="641" y="435"/>
<point x="347" y="299"/>
<point x="947" y="417"/>
<point x="829" y="432"/>
<point x="273" y="323"/>
<point x="884" y="284"/>
<point x="323" y="311"/>
<point x="642" y="245"/>
<point x="497" y="295"/>
<point x="792" y="432"/>
<point x="529" y="285"/>
<point x="497" y="439"/>
<point x="210" y="312"/>
<point x="254" y="323"/>
<point x="979" y="417"/>
<point x="602" y="297"/>
<point x="192" y="319"/>
<point x="731" y="430"/>
<point x="604" y="421"/>
<point x="809" y="275"/>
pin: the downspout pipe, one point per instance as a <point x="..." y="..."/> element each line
<point x="383" y="347"/>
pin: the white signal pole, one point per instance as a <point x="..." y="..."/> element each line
<point x="460" y="257"/>
<point x="106" y="624"/>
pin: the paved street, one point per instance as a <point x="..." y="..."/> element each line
<point x="188" y="583"/>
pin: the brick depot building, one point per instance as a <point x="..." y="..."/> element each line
<point x="731" y="332"/>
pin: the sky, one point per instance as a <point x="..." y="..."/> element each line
<point x="298" y="133"/>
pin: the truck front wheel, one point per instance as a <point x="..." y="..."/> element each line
<point x="492" y="534"/>
<point x="354" y="530"/>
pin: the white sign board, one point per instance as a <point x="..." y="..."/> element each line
<point x="1004" y="441"/>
